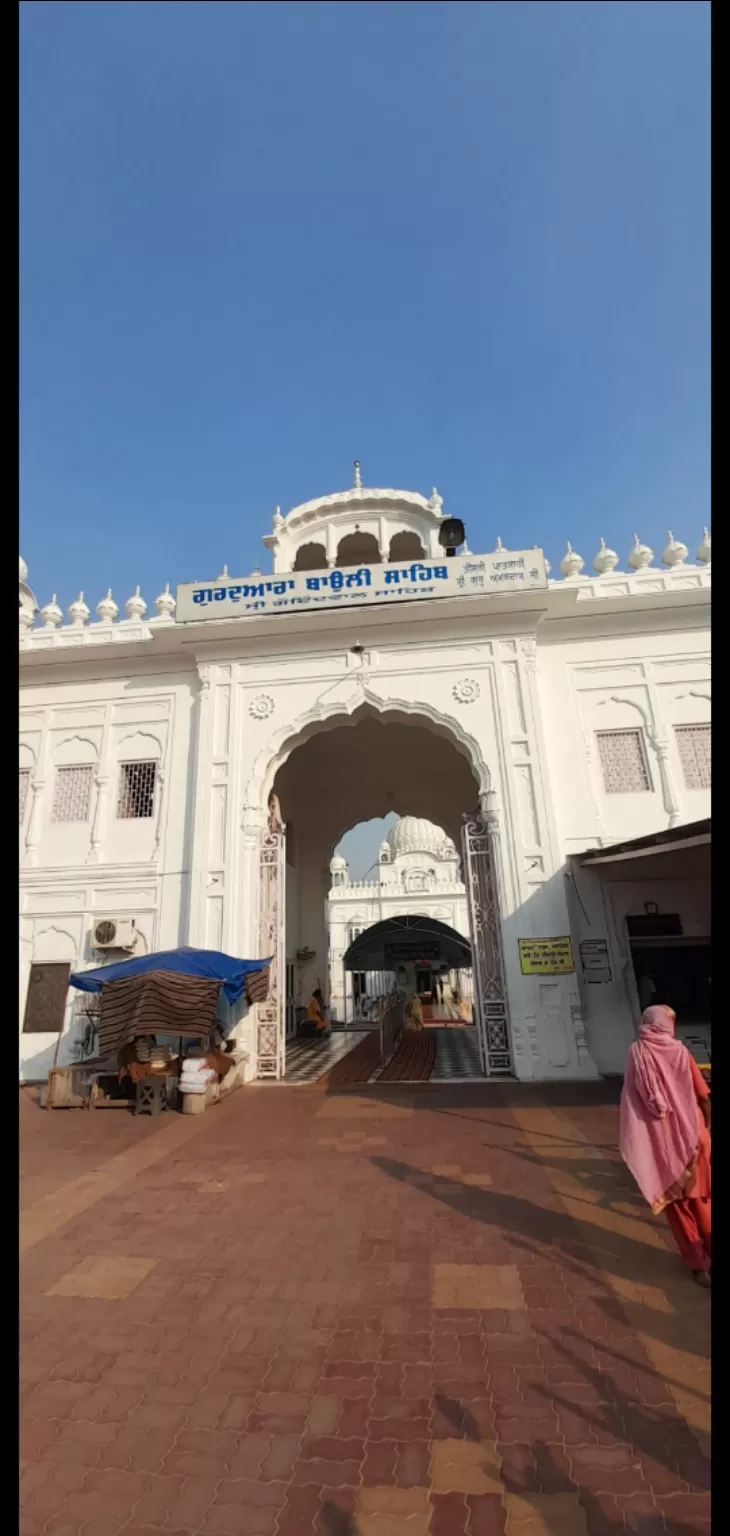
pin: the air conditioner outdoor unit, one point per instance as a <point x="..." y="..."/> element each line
<point x="115" y="933"/>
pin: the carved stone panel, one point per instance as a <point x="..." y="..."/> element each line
<point x="45" y="1005"/>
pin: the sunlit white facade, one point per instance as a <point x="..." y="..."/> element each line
<point x="574" y="711"/>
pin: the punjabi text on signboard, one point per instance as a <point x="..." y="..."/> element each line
<point x="545" y="957"/>
<point x="505" y="571"/>
<point x="400" y="953"/>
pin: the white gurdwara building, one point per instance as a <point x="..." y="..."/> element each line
<point x="186" y="775"/>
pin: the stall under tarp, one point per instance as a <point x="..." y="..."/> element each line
<point x="207" y="964"/>
<point x="156" y="1003"/>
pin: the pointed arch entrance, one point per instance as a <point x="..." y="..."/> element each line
<point x="350" y="765"/>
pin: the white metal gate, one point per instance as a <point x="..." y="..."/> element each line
<point x="485" y="928"/>
<point x="270" y="1032"/>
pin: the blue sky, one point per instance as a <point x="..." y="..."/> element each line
<point x="467" y="244"/>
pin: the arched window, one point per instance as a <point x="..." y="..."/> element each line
<point x="358" y="549"/>
<point x="406" y="546"/>
<point x="311" y="557"/>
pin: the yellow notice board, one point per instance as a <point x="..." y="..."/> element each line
<point x="545" y="957"/>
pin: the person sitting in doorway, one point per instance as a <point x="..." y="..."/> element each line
<point x="316" y="1013"/>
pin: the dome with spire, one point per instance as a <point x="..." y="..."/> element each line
<point x="363" y="525"/>
<point x="411" y="834"/>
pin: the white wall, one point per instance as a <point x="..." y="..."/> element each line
<point x="651" y="682"/>
<point x="73" y="874"/>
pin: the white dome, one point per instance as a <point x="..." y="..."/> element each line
<point x="413" y="835"/>
<point x="23" y="570"/>
<point x="337" y="863"/>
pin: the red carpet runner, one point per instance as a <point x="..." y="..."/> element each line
<point x="358" y="1065"/>
<point x="413" y="1061"/>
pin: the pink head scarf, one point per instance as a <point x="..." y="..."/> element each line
<point x="659" y="1132"/>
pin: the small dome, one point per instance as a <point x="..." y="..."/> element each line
<point x="337" y="863"/>
<point x="23" y="570"/>
<point x="572" y="563"/>
<point x="704" y="549"/>
<point x="165" y="603"/>
<point x="675" y="553"/>
<point x="606" y="559"/>
<point x="107" y="609"/>
<point x="640" y="555"/>
<point x="51" y="614"/>
<point x="413" y="835"/>
<point x="136" y="606"/>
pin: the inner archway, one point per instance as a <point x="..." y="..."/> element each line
<point x="404" y="871"/>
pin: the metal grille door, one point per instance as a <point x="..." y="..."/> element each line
<point x="271" y="1044"/>
<point x="485" y="930"/>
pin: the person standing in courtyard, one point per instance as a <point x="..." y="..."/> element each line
<point x="414" y="1013"/>
<point x="665" y="1135"/>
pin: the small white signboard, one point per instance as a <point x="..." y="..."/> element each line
<point x="507" y="571"/>
<point x="595" y="960"/>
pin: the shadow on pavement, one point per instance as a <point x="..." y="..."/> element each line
<point x="529" y="1225"/>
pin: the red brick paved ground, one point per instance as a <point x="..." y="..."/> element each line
<point x="379" y="1313"/>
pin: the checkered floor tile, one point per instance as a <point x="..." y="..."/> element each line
<point x="457" y="1055"/>
<point x="308" y="1060"/>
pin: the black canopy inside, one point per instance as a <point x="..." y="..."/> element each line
<point x="400" y="940"/>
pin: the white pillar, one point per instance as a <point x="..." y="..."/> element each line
<point x="666" y="779"/>
<point x="198" y="860"/>
<point x="98" y="823"/>
<point x="32" y="831"/>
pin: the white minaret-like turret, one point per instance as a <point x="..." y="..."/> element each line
<point x="28" y="604"/>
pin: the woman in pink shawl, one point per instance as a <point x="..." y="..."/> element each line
<point x="665" y="1136"/>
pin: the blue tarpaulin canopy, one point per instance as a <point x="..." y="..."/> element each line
<point x="208" y="963"/>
